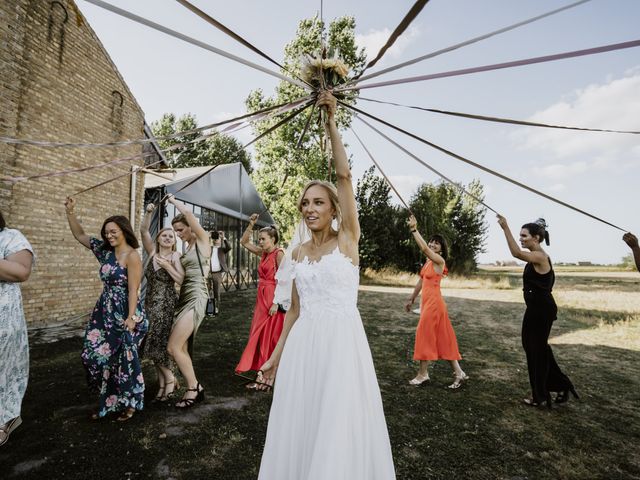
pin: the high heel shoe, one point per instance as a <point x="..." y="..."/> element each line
<point x="532" y="403"/>
<point x="166" y="396"/>
<point x="160" y="396"/>
<point x="457" y="383"/>
<point x="563" y="397"/>
<point x="419" y="380"/>
<point x="7" y="428"/>
<point x="190" y="402"/>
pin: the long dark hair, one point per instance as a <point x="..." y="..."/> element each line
<point x="2" y="222"/>
<point x="444" y="252"/>
<point x="538" y="229"/>
<point x="127" y="231"/>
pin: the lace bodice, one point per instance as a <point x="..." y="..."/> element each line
<point x="329" y="283"/>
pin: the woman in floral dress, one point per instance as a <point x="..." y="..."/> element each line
<point x="117" y="325"/>
<point x="163" y="272"/>
<point x="16" y="258"/>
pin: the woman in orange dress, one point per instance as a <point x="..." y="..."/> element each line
<point x="268" y="320"/>
<point x="435" y="338"/>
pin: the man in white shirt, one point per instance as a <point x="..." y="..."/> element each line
<point x="218" y="264"/>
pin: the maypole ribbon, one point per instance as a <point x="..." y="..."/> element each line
<point x="117" y="161"/>
<point x="258" y="114"/>
<point x="422" y="162"/>
<point x="209" y="19"/>
<point x="399" y="30"/>
<point x="381" y="171"/>
<point x="482" y="167"/>
<point x="266" y="132"/>
<point x="469" y="42"/>
<point x="498" y="66"/>
<point x="193" y="41"/>
<point x="499" y="119"/>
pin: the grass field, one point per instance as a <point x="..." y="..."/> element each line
<point x="481" y="431"/>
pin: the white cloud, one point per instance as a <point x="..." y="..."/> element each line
<point x="373" y="41"/>
<point x="560" y="170"/>
<point x="406" y="186"/>
<point x="612" y="105"/>
<point x="557" y="187"/>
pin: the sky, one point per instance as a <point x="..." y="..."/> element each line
<point x="597" y="172"/>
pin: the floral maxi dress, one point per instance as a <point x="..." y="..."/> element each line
<point x="14" y="346"/>
<point x="110" y="351"/>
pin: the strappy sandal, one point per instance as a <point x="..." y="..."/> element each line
<point x="416" y="382"/>
<point x="532" y="403"/>
<point x="126" y="414"/>
<point x="190" y="402"/>
<point x="563" y="397"/>
<point x="457" y="383"/>
<point x="7" y="428"/>
<point x="167" y="396"/>
<point x="160" y="397"/>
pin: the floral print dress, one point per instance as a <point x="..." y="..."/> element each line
<point x="110" y="351"/>
<point x="14" y="345"/>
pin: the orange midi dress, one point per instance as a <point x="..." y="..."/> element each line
<point x="435" y="338"/>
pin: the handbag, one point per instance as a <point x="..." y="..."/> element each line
<point x="211" y="300"/>
<point x="281" y="308"/>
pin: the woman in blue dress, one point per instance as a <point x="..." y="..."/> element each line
<point x="117" y="325"/>
<point x="16" y="260"/>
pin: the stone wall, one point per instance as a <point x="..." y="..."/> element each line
<point x="58" y="83"/>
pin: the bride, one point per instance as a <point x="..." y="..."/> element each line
<point x="326" y="419"/>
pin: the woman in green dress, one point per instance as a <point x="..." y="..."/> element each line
<point x="192" y="304"/>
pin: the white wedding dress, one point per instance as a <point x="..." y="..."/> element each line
<point x="326" y="420"/>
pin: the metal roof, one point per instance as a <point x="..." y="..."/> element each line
<point x="226" y="189"/>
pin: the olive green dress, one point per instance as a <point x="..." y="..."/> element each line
<point x="193" y="291"/>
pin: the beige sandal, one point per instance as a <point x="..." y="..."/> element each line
<point x="7" y="428"/>
<point x="457" y="383"/>
<point x="418" y="380"/>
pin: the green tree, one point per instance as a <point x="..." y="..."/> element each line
<point x="377" y="220"/>
<point x="277" y="154"/>
<point x="442" y="208"/>
<point x="218" y="148"/>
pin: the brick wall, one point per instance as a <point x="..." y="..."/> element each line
<point x="58" y="83"/>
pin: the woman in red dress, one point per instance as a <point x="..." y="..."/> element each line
<point x="435" y="338"/>
<point x="267" y="322"/>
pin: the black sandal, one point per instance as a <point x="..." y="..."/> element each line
<point x="563" y="397"/>
<point x="190" y="402"/>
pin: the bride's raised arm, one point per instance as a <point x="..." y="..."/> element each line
<point x="350" y="227"/>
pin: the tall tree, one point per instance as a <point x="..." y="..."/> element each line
<point x="219" y="148"/>
<point x="277" y="154"/>
<point x="377" y="221"/>
<point x="442" y="208"/>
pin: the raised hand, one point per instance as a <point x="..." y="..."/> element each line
<point x="412" y="223"/>
<point x="70" y="204"/>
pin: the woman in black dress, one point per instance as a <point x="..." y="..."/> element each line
<point x="163" y="272"/>
<point x="538" y="277"/>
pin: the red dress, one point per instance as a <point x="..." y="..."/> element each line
<point x="265" y="329"/>
<point x="435" y="338"/>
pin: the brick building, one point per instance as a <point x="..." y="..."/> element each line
<point x="57" y="83"/>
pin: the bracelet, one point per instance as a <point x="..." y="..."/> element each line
<point x="414" y="230"/>
<point x="70" y="212"/>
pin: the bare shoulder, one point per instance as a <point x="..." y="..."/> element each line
<point x="348" y="247"/>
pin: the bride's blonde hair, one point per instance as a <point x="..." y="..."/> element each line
<point x="332" y="192"/>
